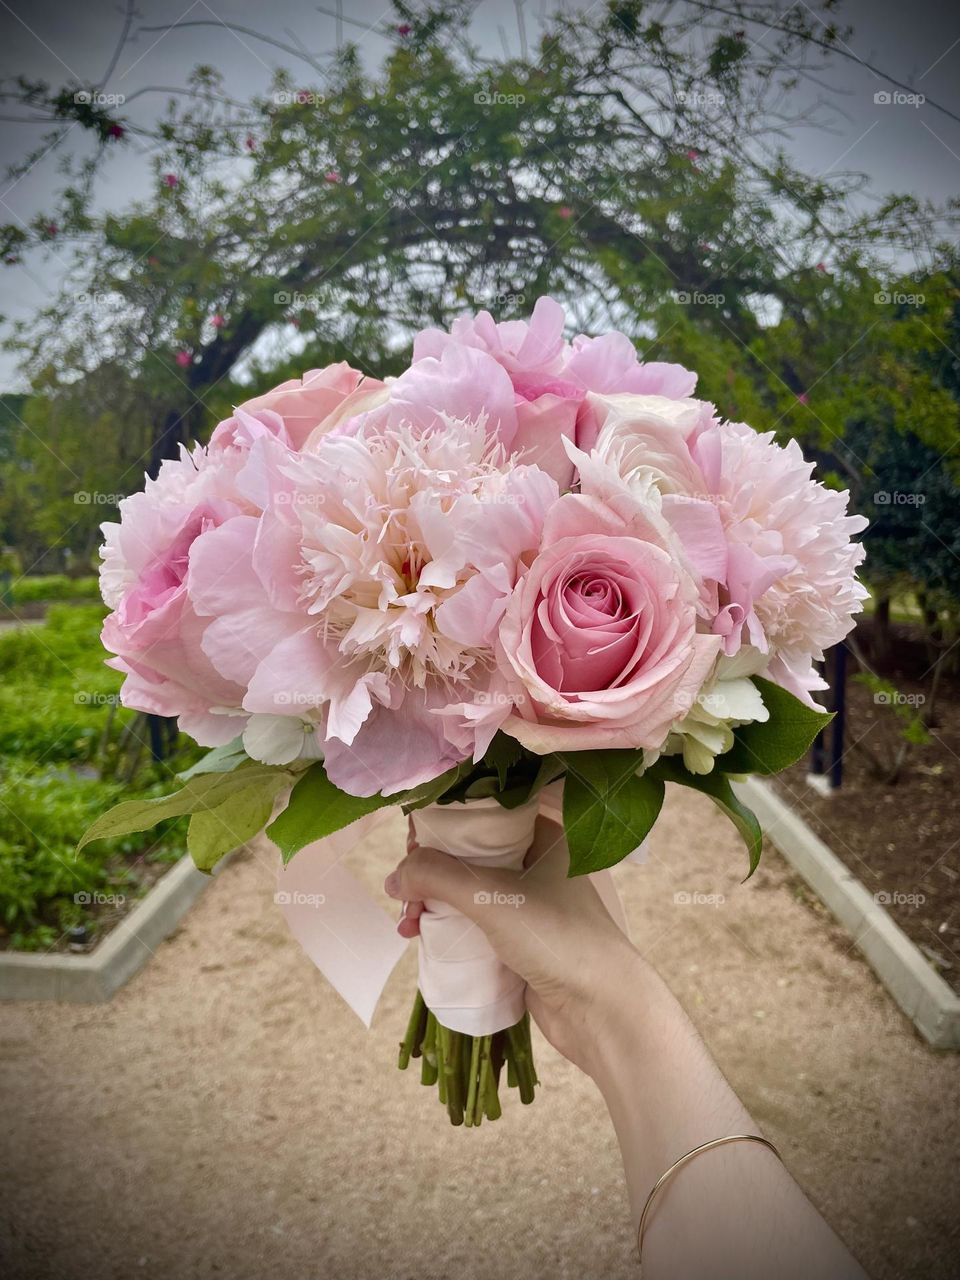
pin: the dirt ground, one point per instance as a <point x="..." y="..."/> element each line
<point x="899" y="835"/>
<point x="226" y="1115"/>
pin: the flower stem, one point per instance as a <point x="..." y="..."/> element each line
<point x="485" y="1081"/>
<point x="441" y="1066"/>
<point x="428" y="1047"/>
<point x="451" y="1047"/>
<point x="519" y="1040"/>
<point x="466" y="1070"/>
<point x="470" y="1116"/>
<point x="416" y="1026"/>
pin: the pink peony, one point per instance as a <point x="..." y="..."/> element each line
<point x="608" y="365"/>
<point x="153" y="629"/>
<point x="308" y="405"/>
<point x="600" y="635"/>
<point x="365" y="599"/>
<point x="550" y="379"/>
<point x="646" y="442"/>
<point x="531" y="348"/>
<point x="791" y="589"/>
<point x="462" y="383"/>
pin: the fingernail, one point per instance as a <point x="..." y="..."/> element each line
<point x="391" y="886"/>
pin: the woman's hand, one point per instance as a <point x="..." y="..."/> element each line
<point x="733" y="1211"/>
<point x="552" y="931"/>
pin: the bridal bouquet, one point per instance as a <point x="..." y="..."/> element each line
<point x="526" y="572"/>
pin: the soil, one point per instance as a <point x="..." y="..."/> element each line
<point x="901" y="838"/>
<point x="226" y="1115"/>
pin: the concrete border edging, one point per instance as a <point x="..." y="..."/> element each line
<point x="927" y="1000"/>
<point x="93" y="978"/>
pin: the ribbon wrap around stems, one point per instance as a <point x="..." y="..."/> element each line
<point x="462" y="981"/>
<point x="354" y="943"/>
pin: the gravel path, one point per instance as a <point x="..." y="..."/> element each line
<point x="226" y="1116"/>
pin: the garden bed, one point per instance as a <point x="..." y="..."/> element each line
<point x="900" y="838"/>
<point x="69" y="751"/>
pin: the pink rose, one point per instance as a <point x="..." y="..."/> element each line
<point x="599" y="639"/>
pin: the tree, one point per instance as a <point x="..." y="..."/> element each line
<point x="624" y="165"/>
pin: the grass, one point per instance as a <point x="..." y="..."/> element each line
<point x="60" y="732"/>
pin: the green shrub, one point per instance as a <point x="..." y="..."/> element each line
<point x="60" y="722"/>
<point x="54" y="586"/>
<point x="45" y="887"/>
<point x="55" y="691"/>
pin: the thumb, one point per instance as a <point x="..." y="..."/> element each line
<point x="428" y="873"/>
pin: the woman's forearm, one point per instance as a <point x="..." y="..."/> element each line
<point x="732" y="1211"/>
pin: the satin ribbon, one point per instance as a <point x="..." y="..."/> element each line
<point x="354" y="942"/>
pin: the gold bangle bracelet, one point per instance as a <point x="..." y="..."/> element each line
<point x="678" y="1164"/>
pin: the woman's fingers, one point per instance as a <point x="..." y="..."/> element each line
<point x="428" y="873"/>
<point x="548" y="853"/>
<point x="409" y="926"/>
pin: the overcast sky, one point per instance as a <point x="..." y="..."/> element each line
<point x="900" y="148"/>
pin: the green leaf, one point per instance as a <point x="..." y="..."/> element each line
<point x="483" y="787"/>
<point x="215" y="832"/>
<point x="607" y="807"/>
<point x="551" y="768"/>
<point x="778" y="742"/>
<point x="317" y="808"/>
<point x="501" y="755"/>
<point x="205" y="792"/>
<point x="717" y="786"/>
<point x="220" y="760"/>
<point x="431" y="792"/>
